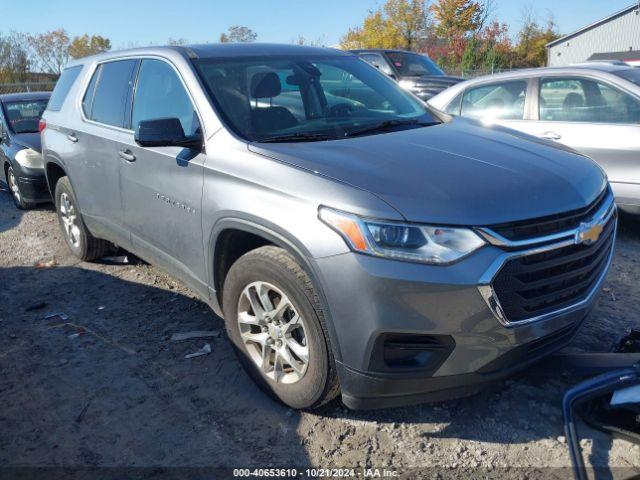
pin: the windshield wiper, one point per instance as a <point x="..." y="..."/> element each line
<point x="388" y="125"/>
<point x="298" y="137"/>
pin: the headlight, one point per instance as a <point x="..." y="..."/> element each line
<point x="416" y="243"/>
<point x="29" y="158"/>
<point x="407" y="84"/>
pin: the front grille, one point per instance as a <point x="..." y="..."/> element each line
<point x="431" y="88"/>
<point x="538" y="227"/>
<point x="542" y="283"/>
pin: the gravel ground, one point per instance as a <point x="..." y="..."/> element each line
<point x="121" y="393"/>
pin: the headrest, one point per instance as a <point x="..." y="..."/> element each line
<point x="573" y="100"/>
<point x="265" y="85"/>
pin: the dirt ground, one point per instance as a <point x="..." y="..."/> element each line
<point x="121" y="394"/>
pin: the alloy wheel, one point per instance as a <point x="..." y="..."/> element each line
<point x="70" y="220"/>
<point x="273" y="333"/>
<point x="13" y="185"/>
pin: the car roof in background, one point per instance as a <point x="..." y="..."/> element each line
<point x="218" y="50"/>
<point x="388" y="50"/>
<point x="594" y="67"/>
<point x="24" y="96"/>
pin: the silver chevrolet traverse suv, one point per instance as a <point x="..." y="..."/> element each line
<point x="355" y="242"/>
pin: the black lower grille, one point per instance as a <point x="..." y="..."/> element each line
<point x="537" y="284"/>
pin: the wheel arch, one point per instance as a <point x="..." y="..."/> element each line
<point x="53" y="172"/>
<point x="260" y="234"/>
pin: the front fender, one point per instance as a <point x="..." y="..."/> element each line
<point x="281" y="238"/>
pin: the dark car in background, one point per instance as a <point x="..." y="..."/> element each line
<point x="20" y="150"/>
<point x="413" y="71"/>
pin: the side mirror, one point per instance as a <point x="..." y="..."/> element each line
<point x="609" y="402"/>
<point x="165" y="132"/>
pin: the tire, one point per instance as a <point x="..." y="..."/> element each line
<point x="79" y="240"/>
<point x="16" y="193"/>
<point x="275" y="271"/>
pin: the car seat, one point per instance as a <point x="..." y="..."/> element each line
<point x="263" y="119"/>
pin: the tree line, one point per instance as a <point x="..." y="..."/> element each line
<point x="458" y="34"/>
<point x="42" y="56"/>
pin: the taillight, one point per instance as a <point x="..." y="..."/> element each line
<point x="42" y="124"/>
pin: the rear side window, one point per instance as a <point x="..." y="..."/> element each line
<point x="112" y="91"/>
<point x="377" y="61"/>
<point x="64" y="84"/>
<point x="586" y="100"/>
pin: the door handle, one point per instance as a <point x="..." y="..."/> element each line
<point x="127" y="155"/>
<point x="551" y="136"/>
<point x="72" y="137"/>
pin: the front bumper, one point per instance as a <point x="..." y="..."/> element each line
<point x="466" y="344"/>
<point x="33" y="185"/>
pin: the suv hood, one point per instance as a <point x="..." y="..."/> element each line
<point x="455" y="173"/>
<point x="29" y="140"/>
<point x="427" y="86"/>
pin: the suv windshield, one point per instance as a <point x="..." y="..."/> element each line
<point x="308" y="99"/>
<point x="24" y="116"/>
<point x="412" y="64"/>
<point x="633" y="74"/>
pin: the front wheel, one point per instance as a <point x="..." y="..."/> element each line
<point x="79" y="239"/>
<point x="16" y="193"/>
<point x="277" y="327"/>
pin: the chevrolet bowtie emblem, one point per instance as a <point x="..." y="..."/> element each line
<point x="588" y="233"/>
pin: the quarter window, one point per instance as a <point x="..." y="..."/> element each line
<point x="584" y="100"/>
<point x="112" y="92"/>
<point x="63" y="85"/>
<point x="87" y="101"/>
<point x="160" y="94"/>
<point x="377" y="61"/>
<point x="503" y="100"/>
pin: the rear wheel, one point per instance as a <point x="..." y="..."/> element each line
<point x="79" y="240"/>
<point x="277" y="327"/>
<point x="16" y="193"/>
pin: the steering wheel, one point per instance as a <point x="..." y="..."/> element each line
<point x="341" y="110"/>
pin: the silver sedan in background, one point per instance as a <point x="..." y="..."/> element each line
<point x="593" y="108"/>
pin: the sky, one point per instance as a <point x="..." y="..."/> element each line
<point x="130" y="23"/>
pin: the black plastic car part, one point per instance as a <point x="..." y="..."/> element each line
<point x="595" y="390"/>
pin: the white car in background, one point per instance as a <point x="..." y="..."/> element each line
<point x="593" y="108"/>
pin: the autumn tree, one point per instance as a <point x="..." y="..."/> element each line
<point x="86" y="45"/>
<point x="531" y="49"/>
<point x="375" y="32"/>
<point x="51" y="50"/>
<point x="238" y="34"/>
<point x="15" y="59"/>
<point x="398" y="24"/>
<point x="489" y="49"/>
<point x="457" y="18"/>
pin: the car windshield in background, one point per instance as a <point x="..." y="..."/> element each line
<point x="23" y="117"/>
<point x="308" y="99"/>
<point x="632" y="74"/>
<point x="411" y="64"/>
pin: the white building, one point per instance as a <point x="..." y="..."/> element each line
<point x="616" y="37"/>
